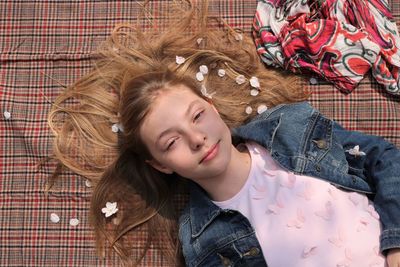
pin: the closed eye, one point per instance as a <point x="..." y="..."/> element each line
<point x="198" y="115"/>
<point x="170" y="144"/>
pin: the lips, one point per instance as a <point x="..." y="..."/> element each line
<point x="211" y="153"/>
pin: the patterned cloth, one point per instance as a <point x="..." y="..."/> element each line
<point x="340" y="40"/>
<point x="42" y="39"/>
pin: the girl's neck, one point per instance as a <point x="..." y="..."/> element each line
<point x="229" y="183"/>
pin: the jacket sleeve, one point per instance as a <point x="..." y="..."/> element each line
<point x="380" y="167"/>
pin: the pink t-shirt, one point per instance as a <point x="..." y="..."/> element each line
<point x="304" y="221"/>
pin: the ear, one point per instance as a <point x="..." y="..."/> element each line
<point x="158" y="166"/>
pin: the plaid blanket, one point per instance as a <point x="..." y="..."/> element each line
<point x="45" y="45"/>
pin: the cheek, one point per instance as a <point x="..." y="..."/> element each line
<point x="215" y="123"/>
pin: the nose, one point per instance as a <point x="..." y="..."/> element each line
<point x="197" y="139"/>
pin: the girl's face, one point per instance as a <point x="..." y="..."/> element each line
<point x="185" y="134"/>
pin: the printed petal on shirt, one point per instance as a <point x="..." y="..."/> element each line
<point x="348" y="253"/>
<point x="326" y="213"/>
<point x="273" y="208"/>
<point x="295" y="223"/>
<point x="364" y="221"/>
<point x="333" y="192"/>
<point x="260" y="188"/>
<point x="309" y="251"/>
<point x="343" y="263"/>
<point x="371" y="210"/>
<point x="258" y="192"/>
<point x="307" y="192"/>
<point x="342" y="234"/>
<point x="336" y="241"/>
<point x="376" y="250"/>
<point x="355" y="198"/>
<point x="339" y="239"/>
<point x="289" y="181"/>
<point x="300" y="215"/>
<point x="280" y="202"/>
<point x="270" y="173"/>
<point x="361" y="227"/>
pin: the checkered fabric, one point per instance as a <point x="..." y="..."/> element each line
<point x="45" y="44"/>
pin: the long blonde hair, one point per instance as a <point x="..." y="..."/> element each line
<point x="131" y="66"/>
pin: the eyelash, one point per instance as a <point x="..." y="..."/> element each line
<point x="198" y="115"/>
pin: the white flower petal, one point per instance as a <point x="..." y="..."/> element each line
<point x="180" y="60"/>
<point x="313" y="80"/>
<point x="74" y="222"/>
<point x="111" y="205"/>
<point x="199" y="40"/>
<point x="204" y="92"/>
<point x="88" y="183"/>
<point x="249" y="110"/>
<point x="203" y="69"/>
<point x="120" y="127"/>
<point x="254" y="92"/>
<point x="355" y="151"/>
<point x="54" y="218"/>
<point x="114" y="128"/>
<point x="239" y="37"/>
<point x="254" y="82"/>
<point x="203" y="89"/>
<point x="240" y="79"/>
<point x="261" y="108"/>
<point x="110" y="209"/>
<point x="221" y="72"/>
<point x="199" y="76"/>
<point x="7" y="115"/>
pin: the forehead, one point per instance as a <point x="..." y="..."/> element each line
<point x="167" y="108"/>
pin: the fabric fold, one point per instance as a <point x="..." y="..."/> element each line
<point x="339" y="40"/>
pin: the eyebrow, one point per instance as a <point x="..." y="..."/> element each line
<point x="187" y="113"/>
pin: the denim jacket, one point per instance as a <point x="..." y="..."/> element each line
<point x="303" y="141"/>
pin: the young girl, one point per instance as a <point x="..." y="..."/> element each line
<point x="284" y="187"/>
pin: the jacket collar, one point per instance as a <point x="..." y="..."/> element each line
<point x="202" y="210"/>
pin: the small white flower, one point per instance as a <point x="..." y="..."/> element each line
<point x="239" y="37"/>
<point x="88" y="183"/>
<point x="254" y="92"/>
<point x="240" y="79"/>
<point x="180" y="60"/>
<point x="114" y="128"/>
<point x="199" y="40"/>
<point x="249" y="110"/>
<point x="254" y="82"/>
<point x="261" y="108"/>
<point x="74" y="222"/>
<point x="199" y="76"/>
<point x="54" y="218"/>
<point x="313" y="80"/>
<point x="7" y="115"/>
<point x="355" y="151"/>
<point x="120" y="127"/>
<point x="203" y="69"/>
<point x="221" y="73"/>
<point x="204" y="92"/>
<point x="110" y="209"/>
